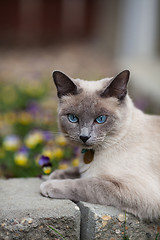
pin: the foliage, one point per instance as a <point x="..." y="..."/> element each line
<point x="28" y="131"/>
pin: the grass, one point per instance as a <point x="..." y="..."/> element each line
<point x="157" y="235"/>
<point x="125" y="236"/>
<point x="59" y="234"/>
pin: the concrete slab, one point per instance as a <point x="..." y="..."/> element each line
<point x="108" y="223"/>
<point x="25" y="214"/>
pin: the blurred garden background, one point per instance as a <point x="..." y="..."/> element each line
<point x="88" y="39"/>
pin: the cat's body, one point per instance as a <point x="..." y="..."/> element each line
<point x="125" y="142"/>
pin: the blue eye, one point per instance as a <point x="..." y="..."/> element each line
<point x="72" y="118"/>
<point x="101" y="119"/>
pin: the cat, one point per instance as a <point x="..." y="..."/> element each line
<point x="120" y="159"/>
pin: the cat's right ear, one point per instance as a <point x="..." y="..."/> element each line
<point x="118" y="86"/>
<point x="63" y="84"/>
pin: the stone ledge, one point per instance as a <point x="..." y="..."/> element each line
<point x="25" y="214"/>
<point x="108" y="223"/>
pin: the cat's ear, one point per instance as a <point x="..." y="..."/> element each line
<point x="118" y="86"/>
<point x="63" y="84"/>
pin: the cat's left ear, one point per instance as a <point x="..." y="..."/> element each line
<point x="63" y="84"/>
<point x="118" y="86"/>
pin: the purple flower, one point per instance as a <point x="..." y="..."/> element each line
<point x="24" y="150"/>
<point x="33" y="108"/>
<point x="47" y="135"/>
<point x="76" y="151"/>
<point x="44" y="161"/>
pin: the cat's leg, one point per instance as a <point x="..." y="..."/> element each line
<point x="93" y="190"/>
<point x="104" y="192"/>
<point x="96" y="190"/>
<point x="70" y="173"/>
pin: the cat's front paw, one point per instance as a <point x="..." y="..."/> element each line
<point x="52" y="189"/>
<point x="46" y="188"/>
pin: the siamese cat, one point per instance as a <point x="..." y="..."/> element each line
<point x="120" y="159"/>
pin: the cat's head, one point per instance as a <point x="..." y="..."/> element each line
<point x="90" y="112"/>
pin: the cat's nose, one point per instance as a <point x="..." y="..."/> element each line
<point x="84" y="138"/>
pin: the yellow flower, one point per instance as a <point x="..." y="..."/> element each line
<point x="63" y="166"/>
<point x="75" y="162"/>
<point x="47" y="153"/>
<point x="25" y="118"/>
<point x="61" y="141"/>
<point x="33" y="139"/>
<point x="10" y="117"/>
<point x="47" y="170"/>
<point x="11" y="143"/>
<point x="21" y="159"/>
<point x="57" y="153"/>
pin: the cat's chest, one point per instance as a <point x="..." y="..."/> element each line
<point x="110" y="162"/>
<point x="92" y="166"/>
